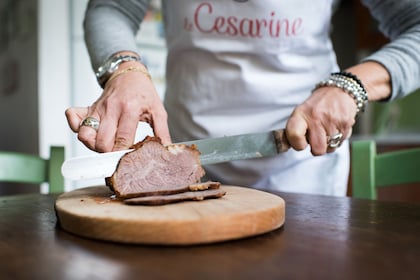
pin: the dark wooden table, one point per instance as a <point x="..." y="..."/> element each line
<point x="323" y="238"/>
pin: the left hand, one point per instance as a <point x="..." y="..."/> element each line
<point x="328" y="111"/>
<point x="125" y="101"/>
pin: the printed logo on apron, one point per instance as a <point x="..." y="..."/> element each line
<point x="206" y="20"/>
<point x="266" y="24"/>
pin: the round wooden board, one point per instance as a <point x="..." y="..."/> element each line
<point x="242" y="212"/>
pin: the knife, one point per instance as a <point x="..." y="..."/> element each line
<point x="213" y="150"/>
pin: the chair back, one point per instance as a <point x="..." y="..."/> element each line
<point x="25" y="168"/>
<point x="371" y="170"/>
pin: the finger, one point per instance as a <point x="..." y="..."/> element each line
<point x="126" y="132"/>
<point x="349" y="133"/>
<point x="335" y="139"/>
<point x="296" y="131"/>
<point x="346" y="134"/>
<point x="160" y="128"/>
<point x="104" y="137"/>
<point x="87" y="135"/>
<point x="108" y="115"/>
<point x="334" y="142"/>
<point x="74" y="117"/>
<point x="317" y="140"/>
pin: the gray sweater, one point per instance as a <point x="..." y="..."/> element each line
<point x="110" y="27"/>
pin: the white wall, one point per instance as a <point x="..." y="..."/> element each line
<point x="54" y="76"/>
<point x="85" y="89"/>
<point x="65" y="76"/>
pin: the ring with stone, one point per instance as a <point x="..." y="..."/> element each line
<point x="334" y="141"/>
<point x="90" y="122"/>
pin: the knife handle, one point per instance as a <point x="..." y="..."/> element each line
<point x="282" y="144"/>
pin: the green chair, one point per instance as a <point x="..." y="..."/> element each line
<point x="24" y="168"/>
<point x="370" y="170"/>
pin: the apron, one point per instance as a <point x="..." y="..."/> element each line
<point x="238" y="66"/>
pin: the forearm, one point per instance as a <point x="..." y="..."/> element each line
<point x="375" y="78"/>
<point x="110" y="27"/>
<point x="400" y="21"/>
<point x="402" y="60"/>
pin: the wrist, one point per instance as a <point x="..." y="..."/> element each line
<point x="128" y="64"/>
<point x="112" y="64"/>
<point x="142" y="69"/>
<point x="375" y="78"/>
<point x="350" y="84"/>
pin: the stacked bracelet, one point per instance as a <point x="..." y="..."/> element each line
<point x="130" y="69"/>
<point x="350" y="84"/>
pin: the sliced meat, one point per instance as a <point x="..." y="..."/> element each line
<point x="168" y="190"/>
<point x="172" y="198"/>
<point x="154" y="169"/>
<point x="202" y="186"/>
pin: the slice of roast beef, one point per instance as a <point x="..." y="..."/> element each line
<point x="172" y="198"/>
<point x="154" y="169"/>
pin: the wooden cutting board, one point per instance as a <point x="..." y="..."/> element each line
<point x="242" y="212"/>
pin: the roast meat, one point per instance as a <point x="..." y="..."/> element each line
<point x="154" y="169"/>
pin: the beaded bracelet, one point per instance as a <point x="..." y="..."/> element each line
<point x="350" y="84"/>
<point x="349" y="75"/>
<point x="129" y="69"/>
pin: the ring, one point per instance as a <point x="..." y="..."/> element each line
<point x="90" y="122"/>
<point x="334" y="141"/>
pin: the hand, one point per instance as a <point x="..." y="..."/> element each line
<point x="328" y="111"/>
<point x="126" y="100"/>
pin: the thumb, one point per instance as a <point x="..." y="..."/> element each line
<point x="74" y="116"/>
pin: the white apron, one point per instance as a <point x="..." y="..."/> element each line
<point x="237" y="66"/>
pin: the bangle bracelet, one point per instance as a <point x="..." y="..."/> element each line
<point x="350" y="84"/>
<point x="127" y="70"/>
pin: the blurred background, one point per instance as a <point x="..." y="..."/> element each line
<point x="44" y="69"/>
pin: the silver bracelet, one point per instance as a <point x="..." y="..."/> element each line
<point x="349" y="84"/>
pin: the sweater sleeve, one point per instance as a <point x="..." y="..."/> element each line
<point x="399" y="21"/>
<point x="111" y="26"/>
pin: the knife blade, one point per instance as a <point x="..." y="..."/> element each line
<point x="213" y="150"/>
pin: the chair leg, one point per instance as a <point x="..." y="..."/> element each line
<point x="55" y="179"/>
<point x="363" y="169"/>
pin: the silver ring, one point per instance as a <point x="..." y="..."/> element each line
<point x="334" y="141"/>
<point x="90" y="122"/>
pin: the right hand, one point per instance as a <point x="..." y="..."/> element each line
<point x="126" y="100"/>
<point x="327" y="111"/>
